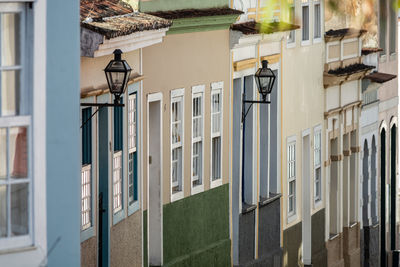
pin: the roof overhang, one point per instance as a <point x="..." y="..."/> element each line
<point x="379" y="77"/>
<point x="347" y="74"/>
<point x="94" y="44"/>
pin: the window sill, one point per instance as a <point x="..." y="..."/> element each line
<point x="176" y="196"/>
<point x="333" y="236"/>
<point x="291" y="45"/>
<point x="393" y="57"/>
<point x="119" y="216"/>
<point x="216" y="183"/>
<point x="17" y="250"/>
<point x="197" y="189"/>
<point x="87" y="234"/>
<point x="246" y="208"/>
<point x="317" y="40"/>
<point x="133" y="208"/>
<point x="382" y="59"/>
<point x="306" y="43"/>
<point x="272" y="197"/>
<point x="318" y="204"/>
<point x="291" y="218"/>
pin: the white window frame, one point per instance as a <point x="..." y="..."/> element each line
<point x="133" y="94"/>
<point x="217" y="88"/>
<point x="115" y="182"/>
<point x="86" y="170"/>
<point x="289" y="43"/>
<point x="308" y="4"/>
<point x="318" y="39"/>
<point x="36" y="203"/>
<point x="317" y="199"/>
<point x="327" y="51"/>
<point x="351" y="40"/>
<point x="197" y="91"/>
<point x="291" y="215"/>
<point x="178" y="95"/>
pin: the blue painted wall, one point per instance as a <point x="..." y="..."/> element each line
<point x="63" y="150"/>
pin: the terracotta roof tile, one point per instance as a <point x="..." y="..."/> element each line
<point x="379" y="77"/>
<point x="194" y="13"/>
<point x="97" y="9"/>
<point x="344" y="32"/>
<point x="350" y="69"/>
<point x="369" y="50"/>
<point x="253" y="27"/>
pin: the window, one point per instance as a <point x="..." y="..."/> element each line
<point x="132" y="149"/>
<point x="86" y="171"/>
<point x="117" y="160"/>
<point x="15" y="130"/>
<point x="197" y="135"/>
<point x="291" y="174"/>
<point x="176" y="141"/>
<point x="317" y="19"/>
<point x="292" y="34"/>
<point x="216" y="135"/>
<point x="305" y="15"/>
<point x="317" y="166"/>
<point x="382" y="25"/>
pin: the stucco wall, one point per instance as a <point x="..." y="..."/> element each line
<point x="183" y="61"/>
<point x="126" y="242"/>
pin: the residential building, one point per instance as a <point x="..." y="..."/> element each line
<point x="186" y="116"/>
<point x="304" y="178"/>
<point x="38" y="117"/>
<point x="256" y="145"/>
<point x="111" y="137"/>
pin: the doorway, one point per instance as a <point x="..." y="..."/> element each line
<point x="154" y="180"/>
<point x="306" y="178"/>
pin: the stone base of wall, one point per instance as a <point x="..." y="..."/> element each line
<point x="370" y="245"/>
<point x="319" y="254"/>
<point x="351" y="245"/>
<point x="271" y="259"/>
<point x="335" y="251"/>
<point x="89" y="252"/>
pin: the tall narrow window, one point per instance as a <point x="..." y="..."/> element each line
<point x="382" y="25"/>
<point x="132" y="149"/>
<point x="15" y="129"/>
<point x="86" y="171"/>
<point x="197" y="136"/>
<point x="291" y="174"/>
<point x="305" y="16"/>
<point x="176" y="141"/>
<point x="216" y="136"/>
<point x="117" y="160"/>
<point x="317" y="19"/>
<point x="317" y="166"/>
<point x="292" y="34"/>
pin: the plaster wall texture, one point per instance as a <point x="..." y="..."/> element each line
<point x="126" y="241"/>
<point x="62" y="133"/>
<point x="302" y="108"/>
<point x="183" y="61"/>
<point x="92" y="69"/>
<point x="89" y="252"/>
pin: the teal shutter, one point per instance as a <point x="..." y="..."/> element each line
<point x="86" y="136"/>
<point x="118" y="128"/>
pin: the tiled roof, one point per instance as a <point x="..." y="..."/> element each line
<point x="379" y="77"/>
<point x="350" y="69"/>
<point x="369" y="50"/>
<point x="113" y="18"/>
<point x="344" y="32"/>
<point x="194" y="13"/>
<point x="252" y="27"/>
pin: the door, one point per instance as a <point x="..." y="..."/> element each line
<point x="154" y="180"/>
<point x="306" y="225"/>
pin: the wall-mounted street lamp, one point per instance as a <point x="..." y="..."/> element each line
<point x="117" y="74"/>
<point x="265" y="79"/>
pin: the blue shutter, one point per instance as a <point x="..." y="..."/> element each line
<point x="86" y="136"/>
<point x="118" y="128"/>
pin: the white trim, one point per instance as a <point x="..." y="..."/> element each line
<point x="291" y="215"/>
<point x="307" y="41"/>
<point x="342" y="57"/>
<point x="177" y="92"/>
<point x="319" y="39"/>
<point x="217" y="87"/>
<point x="317" y="202"/>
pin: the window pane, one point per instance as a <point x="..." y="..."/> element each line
<point x="305" y="23"/>
<point x="3" y="153"/>
<point x="18" y="155"/>
<point x="3" y="211"/>
<point x="216" y="158"/>
<point x="10" y="39"/>
<point x="10" y="88"/>
<point x="317" y="22"/>
<point x="19" y="209"/>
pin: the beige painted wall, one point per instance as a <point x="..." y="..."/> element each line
<point x="92" y="69"/>
<point x="183" y="61"/>
<point x="302" y="108"/>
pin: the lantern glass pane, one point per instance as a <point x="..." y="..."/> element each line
<point x="117" y="81"/>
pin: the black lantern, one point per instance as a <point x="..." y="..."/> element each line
<point x="117" y="74"/>
<point x="265" y="79"/>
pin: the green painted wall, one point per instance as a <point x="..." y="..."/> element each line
<point x="164" y="5"/>
<point x="196" y="230"/>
